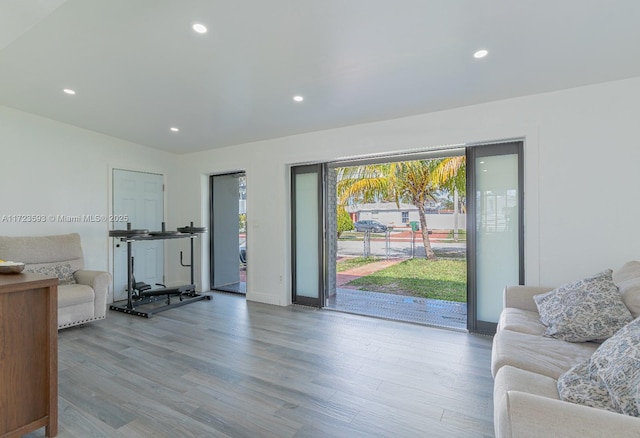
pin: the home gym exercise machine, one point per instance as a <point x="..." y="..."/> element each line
<point x="141" y="299"/>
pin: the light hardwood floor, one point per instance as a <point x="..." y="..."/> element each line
<point x="231" y="368"/>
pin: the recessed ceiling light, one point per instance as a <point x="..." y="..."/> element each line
<point x="69" y="91"/>
<point x="174" y="129"/>
<point x="200" y="28"/>
<point x="298" y="98"/>
<point x="480" y="54"/>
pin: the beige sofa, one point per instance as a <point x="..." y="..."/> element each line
<point x="82" y="294"/>
<point x="526" y="366"/>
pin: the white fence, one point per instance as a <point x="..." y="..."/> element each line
<point x="434" y="221"/>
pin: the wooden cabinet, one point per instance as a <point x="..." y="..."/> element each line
<point x="28" y="354"/>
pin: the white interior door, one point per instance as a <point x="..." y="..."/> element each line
<point x="140" y="196"/>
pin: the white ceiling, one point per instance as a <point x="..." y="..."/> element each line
<point x="138" y="67"/>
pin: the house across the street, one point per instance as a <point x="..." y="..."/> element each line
<point x="389" y="214"/>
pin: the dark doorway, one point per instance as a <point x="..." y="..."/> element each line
<point x="229" y="254"/>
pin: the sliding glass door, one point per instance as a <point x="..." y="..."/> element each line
<point x="495" y="231"/>
<point x="496" y="236"/>
<point x="307" y="223"/>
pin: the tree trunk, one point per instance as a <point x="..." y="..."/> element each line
<point x="425" y="234"/>
<point x="456" y="201"/>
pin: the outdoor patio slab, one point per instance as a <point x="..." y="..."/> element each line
<point x="436" y="313"/>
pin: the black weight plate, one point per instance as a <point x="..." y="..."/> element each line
<point x="127" y="233"/>
<point x="193" y="230"/>
<point x="163" y="233"/>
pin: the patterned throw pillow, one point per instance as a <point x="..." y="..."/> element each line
<point x="627" y="278"/>
<point x="62" y="271"/>
<point x="586" y="310"/>
<point x="617" y="364"/>
<point x="579" y="385"/>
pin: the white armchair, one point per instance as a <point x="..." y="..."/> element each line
<point x="82" y="294"/>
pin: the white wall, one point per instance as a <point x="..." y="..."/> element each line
<point x="50" y="168"/>
<point x="581" y="147"/>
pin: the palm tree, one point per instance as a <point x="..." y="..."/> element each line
<point x="451" y="174"/>
<point x="417" y="184"/>
<point x="362" y="184"/>
<point x="411" y="181"/>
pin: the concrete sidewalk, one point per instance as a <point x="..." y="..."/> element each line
<point x="435" y="313"/>
<point x="344" y="277"/>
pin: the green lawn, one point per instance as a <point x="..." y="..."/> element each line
<point x="438" y="279"/>
<point x="354" y="262"/>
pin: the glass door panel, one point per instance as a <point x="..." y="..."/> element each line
<point x="496" y="235"/>
<point x="307" y="230"/>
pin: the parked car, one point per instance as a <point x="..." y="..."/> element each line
<point x="243" y="254"/>
<point x="369" y="225"/>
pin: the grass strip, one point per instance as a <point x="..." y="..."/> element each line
<point x="354" y="262"/>
<point x="436" y="279"/>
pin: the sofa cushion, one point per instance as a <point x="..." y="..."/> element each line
<point x="63" y="271"/>
<point x="73" y="294"/>
<point x="509" y="378"/>
<point x="523" y="321"/>
<point x="43" y="250"/>
<point x="585" y="310"/>
<point x="514" y="379"/>
<point x="627" y="279"/>
<point x="579" y="385"/>
<point x="617" y="363"/>
<point x="547" y="356"/>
